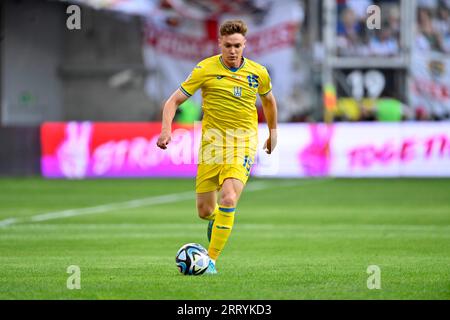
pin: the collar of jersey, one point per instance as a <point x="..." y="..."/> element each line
<point x="232" y="69"/>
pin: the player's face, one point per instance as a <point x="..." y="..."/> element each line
<point x="232" y="47"/>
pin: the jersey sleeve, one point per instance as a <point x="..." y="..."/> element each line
<point x="265" y="84"/>
<point x="193" y="82"/>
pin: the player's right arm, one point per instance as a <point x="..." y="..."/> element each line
<point x="169" y="110"/>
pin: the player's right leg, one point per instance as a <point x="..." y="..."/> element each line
<point x="207" y="185"/>
<point x="207" y="209"/>
<point x="206" y="205"/>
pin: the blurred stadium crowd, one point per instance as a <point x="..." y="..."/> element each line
<point x="433" y="26"/>
<point x="325" y="63"/>
<point x="353" y="36"/>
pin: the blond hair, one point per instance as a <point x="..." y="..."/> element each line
<point x="230" y="27"/>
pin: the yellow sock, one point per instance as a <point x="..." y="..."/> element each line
<point x="212" y="216"/>
<point x="223" y="224"/>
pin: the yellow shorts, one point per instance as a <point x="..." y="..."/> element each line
<point x="210" y="177"/>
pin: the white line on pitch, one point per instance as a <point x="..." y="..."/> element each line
<point x="8" y="222"/>
<point x="144" y="202"/>
<point x="169" y="198"/>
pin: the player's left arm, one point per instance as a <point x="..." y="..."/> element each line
<point x="269" y="105"/>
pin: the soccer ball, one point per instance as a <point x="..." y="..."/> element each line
<point x="192" y="259"/>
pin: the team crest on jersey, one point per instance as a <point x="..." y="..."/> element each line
<point x="237" y="92"/>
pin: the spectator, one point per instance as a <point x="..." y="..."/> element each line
<point x="428" y="39"/>
<point x="359" y="7"/>
<point x="384" y="43"/>
<point x="394" y="21"/>
<point x="442" y="26"/>
<point x="349" y="41"/>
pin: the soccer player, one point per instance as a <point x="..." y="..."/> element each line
<point x="230" y="84"/>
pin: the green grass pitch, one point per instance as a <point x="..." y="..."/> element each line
<point x="293" y="239"/>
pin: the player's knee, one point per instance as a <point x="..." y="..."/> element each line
<point x="229" y="199"/>
<point x="204" y="210"/>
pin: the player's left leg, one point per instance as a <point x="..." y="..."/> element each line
<point x="224" y="220"/>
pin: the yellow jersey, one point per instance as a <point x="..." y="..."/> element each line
<point x="229" y="97"/>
